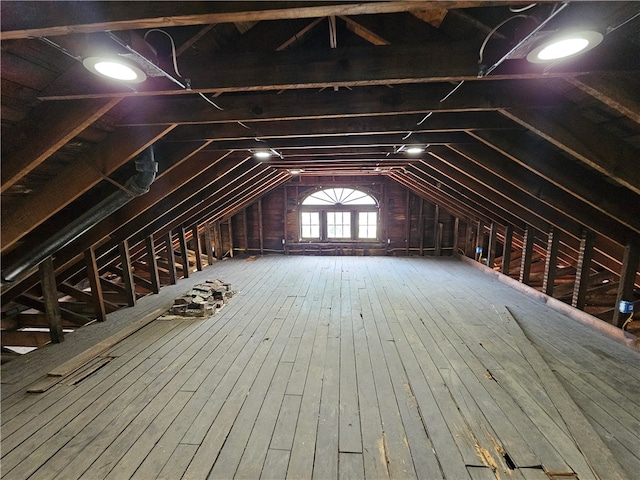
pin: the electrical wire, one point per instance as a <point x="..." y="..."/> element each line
<point x="492" y="32"/>
<point x="452" y="91"/>
<point x="425" y="117"/>
<point x="174" y="59"/>
<point x="522" y="9"/>
<point x="610" y="30"/>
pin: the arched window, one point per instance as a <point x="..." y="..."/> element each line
<point x="339" y="214"/>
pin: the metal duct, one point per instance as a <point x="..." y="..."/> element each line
<point x="146" y="166"/>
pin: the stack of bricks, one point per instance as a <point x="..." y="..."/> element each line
<point x="203" y="300"/>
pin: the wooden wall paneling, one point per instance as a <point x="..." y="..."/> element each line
<point x="260" y="227"/>
<point x="94" y="283"/>
<point x="195" y="240"/>
<point x="583" y="267"/>
<point x="152" y="263"/>
<point x="208" y="240"/>
<point x="506" y="249"/>
<point x="436" y="220"/>
<point x="127" y="274"/>
<point x="184" y="255"/>
<point x="551" y="261"/>
<point x="284" y="227"/>
<point x="630" y="264"/>
<point x="51" y="305"/>
<point x="171" y="258"/>
<point x="527" y="255"/>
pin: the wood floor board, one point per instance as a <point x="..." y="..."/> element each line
<point x="337" y="367"/>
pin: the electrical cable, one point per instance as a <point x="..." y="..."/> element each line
<point x="522" y="9"/>
<point x="490" y="34"/>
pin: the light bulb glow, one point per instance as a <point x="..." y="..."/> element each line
<point x="116" y="70"/>
<point x="563" y="48"/>
<point x="262" y="154"/>
<point x="566" y="46"/>
<point x="415" y="150"/>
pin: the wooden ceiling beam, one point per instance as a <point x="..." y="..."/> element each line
<point x="363" y="32"/>
<point x="616" y="201"/>
<point x="373" y="125"/>
<point x="45" y="131"/>
<point x="543" y="191"/>
<point x="448" y="61"/>
<point x="63" y="18"/>
<point x="612" y="90"/>
<point x="585" y="141"/>
<point x="382" y="101"/>
<point x="76" y="178"/>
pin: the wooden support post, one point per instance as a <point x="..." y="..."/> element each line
<point x="527" y="255"/>
<point x="94" y="282"/>
<point x="171" y="258"/>
<point x="421" y="226"/>
<point x="468" y="240"/>
<point x="630" y="264"/>
<point x="195" y="240"/>
<point x="582" y="270"/>
<point x="152" y="263"/>
<point x="479" y="239"/>
<point x="217" y="240"/>
<point x="436" y="220"/>
<point x="284" y="221"/>
<point x="438" y="248"/>
<point x="551" y="261"/>
<point x="407" y="223"/>
<point x="260" y="226"/>
<point x="456" y="227"/>
<point x="491" y="246"/>
<point x="51" y="305"/>
<point x="230" y="227"/>
<point x="127" y="275"/>
<point x="506" y="249"/>
<point x="182" y="239"/>
<point x="208" y="243"/>
<point x="245" y="230"/>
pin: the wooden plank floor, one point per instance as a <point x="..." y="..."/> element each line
<point x="339" y="367"/>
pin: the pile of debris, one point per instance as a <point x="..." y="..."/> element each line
<point x="203" y="300"/>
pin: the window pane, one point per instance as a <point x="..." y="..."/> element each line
<point x="342" y="196"/>
<point x="367" y="224"/>
<point x="338" y="224"/>
<point x="310" y="224"/>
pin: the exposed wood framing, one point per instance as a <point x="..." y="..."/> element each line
<point x="51" y="305"/>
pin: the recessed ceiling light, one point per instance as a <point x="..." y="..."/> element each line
<point x="565" y="46"/>
<point x="262" y="154"/>
<point x="296" y="171"/>
<point x="114" y="69"/>
<point x="414" y="150"/>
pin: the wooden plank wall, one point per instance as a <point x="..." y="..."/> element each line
<point x="279" y="214"/>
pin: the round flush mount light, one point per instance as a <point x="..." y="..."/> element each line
<point x="565" y="46"/>
<point x="114" y="69"/>
<point x="414" y="150"/>
<point x="262" y="154"/>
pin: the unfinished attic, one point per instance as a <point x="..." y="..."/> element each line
<point x="390" y="239"/>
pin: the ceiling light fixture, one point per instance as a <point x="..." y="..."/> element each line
<point x="414" y="150"/>
<point x="295" y="171"/>
<point x="114" y="69"/>
<point x="261" y="154"/>
<point x="565" y="46"/>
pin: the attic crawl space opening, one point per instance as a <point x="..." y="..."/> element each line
<point x="335" y="214"/>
